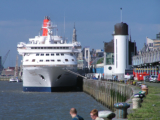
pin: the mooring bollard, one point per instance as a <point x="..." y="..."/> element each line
<point x="125" y="81"/>
<point x="134" y="83"/>
<point x="136" y="102"/>
<point x="122" y="109"/>
<point x="140" y="95"/>
<point x="139" y="84"/>
<point x="144" y="88"/>
<point x="131" y="82"/>
<point x="106" y="115"/>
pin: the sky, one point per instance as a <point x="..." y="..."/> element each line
<point x="94" y="21"/>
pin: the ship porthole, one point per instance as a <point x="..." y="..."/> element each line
<point x="42" y="77"/>
<point x="59" y="76"/>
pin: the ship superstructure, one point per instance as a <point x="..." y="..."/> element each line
<point x="44" y="59"/>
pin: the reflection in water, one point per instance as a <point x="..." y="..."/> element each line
<point x="16" y="104"/>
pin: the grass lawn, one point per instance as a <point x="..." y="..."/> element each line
<point x="150" y="109"/>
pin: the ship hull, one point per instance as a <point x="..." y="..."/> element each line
<point x="48" y="78"/>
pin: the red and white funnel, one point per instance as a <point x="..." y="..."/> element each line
<point x="45" y="24"/>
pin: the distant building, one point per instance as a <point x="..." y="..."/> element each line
<point x="109" y="53"/>
<point x="153" y="43"/>
<point x="80" y="61"/>
<point x="10" y="71"/>
<point x="146" y="62"/>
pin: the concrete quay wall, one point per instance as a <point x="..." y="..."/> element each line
<point x="4" y="78"/>
<point x="107" y="93"/>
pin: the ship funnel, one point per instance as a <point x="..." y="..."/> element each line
<point x="45" y="23"/>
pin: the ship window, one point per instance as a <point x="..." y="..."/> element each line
<point x="32" y="47"/>
<point x="52" y="60"/>
<point x="60" y="47"/>
<point x="49" y="47"/>
<point x="44" y="47"/>
<point x="59" y="76"/>
<point x="42" y="77"/>
<point x="35" y="47"/>
<point x="37" y="54"/>
<point x="41" y="47"/>
<point x="47" y="60"/>
<point x="67" y="47"/>
<point x="40" y="60"/>
<point x="59" y="60"/>
<point x="38" y="48"/>
<point x="42" y="54"/>
<point x="33" y="60"/>
<point x="62" y="54"/>
<point x="52" y="54"/>
<point x="66" y="60"/>
<point x="27" y="60"/>
<point x="63" y="47"/>
<point x="57" y="54"/>
<point x="54" y="47"/>
<point x="47" y="54"/>
<point x="72" y="59"/>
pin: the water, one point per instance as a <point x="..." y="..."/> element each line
<point x="16" y="104"/>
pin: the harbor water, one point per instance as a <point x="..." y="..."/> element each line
<point x="16" y="104"/>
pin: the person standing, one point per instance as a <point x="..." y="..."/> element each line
<point x="73" y="113"/>
<point x="94" y="115"/>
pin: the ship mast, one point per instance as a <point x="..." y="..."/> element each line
<point x="16" y="68"/>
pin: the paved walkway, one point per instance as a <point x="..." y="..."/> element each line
<point x="136" y="90"/>
<point x="129" y="101"/>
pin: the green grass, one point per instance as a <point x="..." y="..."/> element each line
<point x="150" y="109"/>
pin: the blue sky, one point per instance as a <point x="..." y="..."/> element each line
<point x="94" y="19"/>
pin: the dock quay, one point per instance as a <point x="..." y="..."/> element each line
<point x="6" y="78"/>
<point x="108" y="93"/>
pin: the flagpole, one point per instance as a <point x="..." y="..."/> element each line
<point x="121" y="14"/>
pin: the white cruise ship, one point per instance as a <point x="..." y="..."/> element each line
<point x="47" y="59"/>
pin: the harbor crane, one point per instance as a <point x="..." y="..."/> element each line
<point x="1" y="66"/>
<point x="5" y="57"/>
